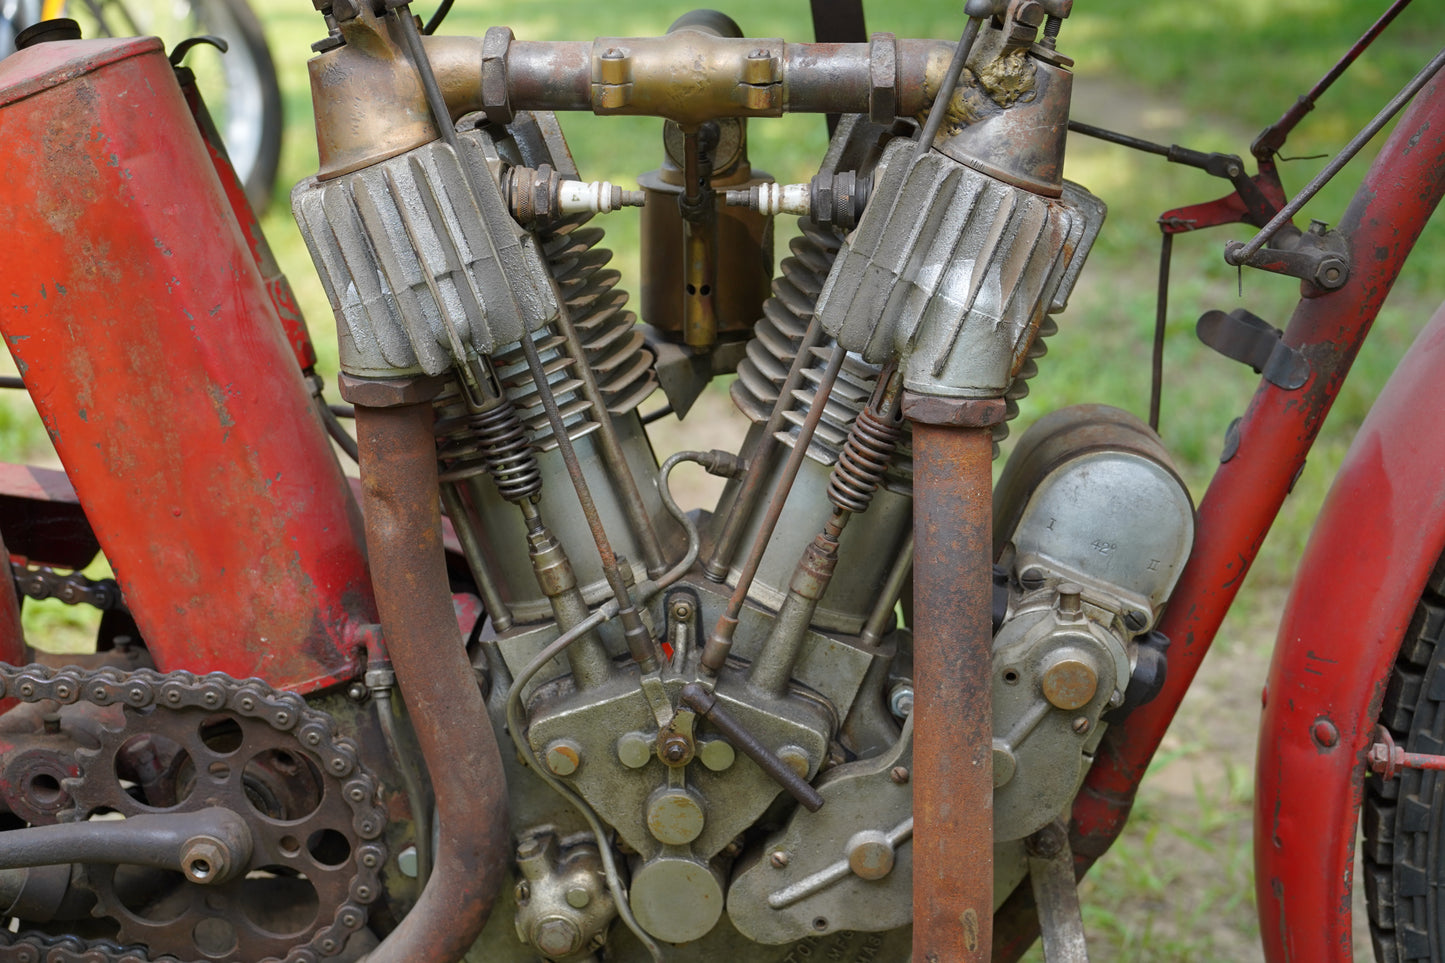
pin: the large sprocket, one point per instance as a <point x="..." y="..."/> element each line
<point x="191" y="742"/>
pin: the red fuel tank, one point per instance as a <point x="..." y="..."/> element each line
<point x="134" y="310"/>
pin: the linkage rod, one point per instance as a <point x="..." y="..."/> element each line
<point x="1238" y="254"/>
<point x="1272" y="138"/>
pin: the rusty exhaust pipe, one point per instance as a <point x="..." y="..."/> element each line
<point x="408" y="572"/>
<point x="952" y="670"/>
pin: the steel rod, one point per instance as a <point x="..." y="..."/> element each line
<point x="456" y="510"/>
<point x="945" y="91"/>
<point x="759" y="460"/>
<point x="881" y="620"/>
<point x="1273" y="136"/>
<point x="719" y="644"/>
<point x="1238" y="254"/>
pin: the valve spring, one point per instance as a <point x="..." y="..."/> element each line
<point x="866" y="454"/>
<point x="494" y="441"/>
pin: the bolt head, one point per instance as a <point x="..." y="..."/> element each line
<point x="899" y="774"/>
<point x="1081" y="725"/>
<point x="717" y="755"/>
<point x="578" y="896"/>
<point x="563" y="757"/>
<point x="557" y="937"/>
<point x="779" y="859"/>
<point x="795" y="759"/>
<point x="634" y="750"/>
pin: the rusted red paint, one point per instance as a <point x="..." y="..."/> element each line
<point x="283" y="299"/>
<point x="952" y="708"/>
<point x="1342" y="629"/>
<point x="133" y="308"/>
<point x="1305" y="839"/>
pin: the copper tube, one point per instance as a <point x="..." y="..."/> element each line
<point x="811" y="77"/>
<point x="408" y="569"/>
<point x="759" y="461"/>
<point x="952" y="708"/>
<point x="719" y="644"/>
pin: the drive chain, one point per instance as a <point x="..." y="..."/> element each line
<point x="218" y="693"/>
<point x="42" y="582"/>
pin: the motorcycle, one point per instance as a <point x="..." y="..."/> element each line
<point x="502" y="698"/>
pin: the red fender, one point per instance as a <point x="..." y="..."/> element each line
<point x="1377" y="538"/>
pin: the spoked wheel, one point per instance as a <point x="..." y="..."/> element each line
<point x="240" y="86"/>
<point x="1404" y="817"/>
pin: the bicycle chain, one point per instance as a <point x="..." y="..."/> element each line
<point x="42" y="582"/>
<point x="215" y="692"/>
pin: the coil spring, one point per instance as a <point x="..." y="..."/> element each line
<point x="865" y="457"/>
<point x="494" y="441"/>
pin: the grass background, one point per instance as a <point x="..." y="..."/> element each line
<point x="1206" y="75"/>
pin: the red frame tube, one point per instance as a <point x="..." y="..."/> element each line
<point x="149" y="344"/>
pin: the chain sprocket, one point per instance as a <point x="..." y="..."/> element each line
<point x="218" y="741"/>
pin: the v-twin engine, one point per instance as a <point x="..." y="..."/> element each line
<point x="712" y="712"/>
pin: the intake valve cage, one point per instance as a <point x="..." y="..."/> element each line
<point x="944" y="288"/>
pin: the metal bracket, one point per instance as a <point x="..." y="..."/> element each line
<point x="1248" y="338"/>
<point x="1319" y="255"/>
<point x="1051" y="874"/>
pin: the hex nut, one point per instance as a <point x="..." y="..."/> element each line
<point x="556" y="937"/>
<point x="205" y="860"/>
<point x="388" y="392"/>
<point x="496" y="100"/>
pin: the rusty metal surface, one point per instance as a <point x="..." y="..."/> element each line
<point x="408" y="565"/>
<point x="1017" y="120"/>
<point x="148" y="343"/>
<point x="952" y="707"/>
